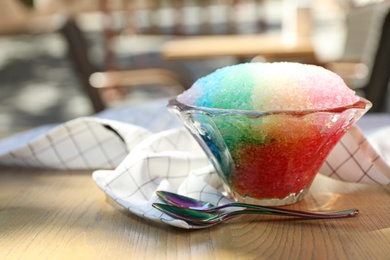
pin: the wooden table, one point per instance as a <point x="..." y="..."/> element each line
<point x="63" y="215"/>
<point x="271" y="47"/>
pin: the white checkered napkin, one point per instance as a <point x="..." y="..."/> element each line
<point x="354" y="158"/>
<point x="170" y="155"/>
<point x="170" y="160"/>
<point x="83" y="143"/>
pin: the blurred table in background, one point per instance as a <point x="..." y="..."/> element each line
<point x="270" y="47"/>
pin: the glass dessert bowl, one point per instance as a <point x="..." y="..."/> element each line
<point x="271" y="157"/>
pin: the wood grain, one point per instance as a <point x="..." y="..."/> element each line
<point x="63" y="215"/>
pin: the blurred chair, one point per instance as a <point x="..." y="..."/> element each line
<point x="365" y="65"/>
<point x="95" y="82"/>
<point x="377" y="88"/>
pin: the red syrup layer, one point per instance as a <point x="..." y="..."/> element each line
<point x="279" y="168"/>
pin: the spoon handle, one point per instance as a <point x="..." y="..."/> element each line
<point x="290" y="212"/>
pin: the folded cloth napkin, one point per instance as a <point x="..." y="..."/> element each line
<point x="130" y="163"/>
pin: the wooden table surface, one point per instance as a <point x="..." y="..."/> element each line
<point x="63" y="215"/>
<point x="271" y="47"/>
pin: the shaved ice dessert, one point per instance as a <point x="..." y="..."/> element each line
<point x="270" y="86"/>
<point x="268" y="127"/>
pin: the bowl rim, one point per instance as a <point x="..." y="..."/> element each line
<point x="362" y="104"/>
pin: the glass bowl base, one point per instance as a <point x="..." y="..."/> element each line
<point x="290" y="199"/>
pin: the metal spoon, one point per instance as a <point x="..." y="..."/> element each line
<point x="184" y="202"/>
<point x="200" y="219"/>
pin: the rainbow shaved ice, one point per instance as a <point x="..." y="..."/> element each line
<point x="276" y="153"/>
<point x="270" y="86"/>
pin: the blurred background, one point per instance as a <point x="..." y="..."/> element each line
<point x="62" y="59"/>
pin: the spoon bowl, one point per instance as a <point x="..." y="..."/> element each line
<point x="201" y="219"/>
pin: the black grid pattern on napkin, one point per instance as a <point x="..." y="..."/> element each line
<point x="133" y="183"/>
<point x="78" y="144"/>
<point x="351" y="161"/>
<point x="137" y="178"/>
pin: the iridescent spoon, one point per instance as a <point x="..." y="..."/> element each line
<point x="183" y="202"/>
<point x="201" y="219"/>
